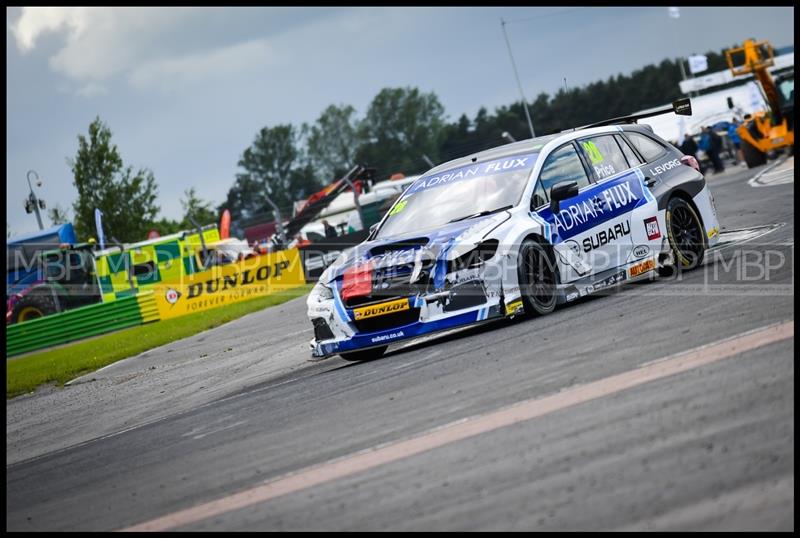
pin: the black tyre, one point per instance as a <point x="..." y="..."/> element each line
<point x="538" y="278"/>
<point x="365" y="354"/>
<point x="32" y="306"/>
<point x="686" y="234"/>
<point x="752" y="155"/>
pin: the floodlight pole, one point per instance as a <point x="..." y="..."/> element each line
<point x="33" y="199"/>
<point x="519" y="84"/>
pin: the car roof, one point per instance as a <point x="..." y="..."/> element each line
<point x="537" y="144"/>
<point x="394" y="183"/>
<point x="531" y="144"/>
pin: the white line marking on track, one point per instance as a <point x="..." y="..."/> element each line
<point x="730" y="238"/>
<point x="298" y="332"/>
<point x="127" y="359"/>
<point x="434" y="336"/>
<point x="412" y="363"/>
<point x="470" y="427"/>
<point x="160" y="419"/>
<point x="212" y="432"/>
<point x="768" y="178"/>
<point x="106" y="367"/>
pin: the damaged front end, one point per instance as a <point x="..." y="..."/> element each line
<point x="384" y="292"/>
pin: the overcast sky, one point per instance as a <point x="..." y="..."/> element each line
<point x="184" y="90"/>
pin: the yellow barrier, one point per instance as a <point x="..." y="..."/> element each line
<point x="225" y="284"/>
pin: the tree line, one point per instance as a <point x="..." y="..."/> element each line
<point x="403" y="130"/>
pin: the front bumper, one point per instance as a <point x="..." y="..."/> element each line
<point x="425" y="314"/>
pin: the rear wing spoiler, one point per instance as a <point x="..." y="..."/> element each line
<point x="682" y="107"/>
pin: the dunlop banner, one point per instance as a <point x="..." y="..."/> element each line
<point x="222" y="285"/>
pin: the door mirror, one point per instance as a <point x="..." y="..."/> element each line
<point x="562" y="191"/>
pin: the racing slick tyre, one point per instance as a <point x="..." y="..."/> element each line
<point x="537" y="278"/>
<point x="686" y="234"/>
<point x="365" y="354"/>
<point x="32" y="306"/>
<point x="752" y="155"/>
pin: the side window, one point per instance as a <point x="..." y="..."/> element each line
<point x="604" y="155"/>
<point x="539" y="197"/>
<point x="633" y="160"/>
<point x="563" y="164"/>
<point x="647" y="147"/>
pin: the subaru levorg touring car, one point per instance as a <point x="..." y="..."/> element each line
<point x="517" y="229"/>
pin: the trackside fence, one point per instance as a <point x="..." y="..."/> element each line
<point x="80" y="323"/>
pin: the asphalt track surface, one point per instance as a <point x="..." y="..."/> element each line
<point x="235" y="429"/>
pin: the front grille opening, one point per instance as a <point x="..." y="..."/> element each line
<point x="365" y="300"/>
<point x="400" y="246"/>
<point x="388" y="321"/>
<point x="394" y="283"/>
<point x="321" y="329"/>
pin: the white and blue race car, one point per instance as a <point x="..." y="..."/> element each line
<point x="518" y="228"/>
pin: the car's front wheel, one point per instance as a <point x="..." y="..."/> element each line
<point x="685" y="234"/>
<point x="537" y="278"/>
<point x="365" y="354"/>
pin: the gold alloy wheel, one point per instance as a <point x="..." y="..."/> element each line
<point x="685" y="233"/>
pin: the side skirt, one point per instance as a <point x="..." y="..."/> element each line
<point x="633" y="272"/>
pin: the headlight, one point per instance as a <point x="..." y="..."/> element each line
<point x="481" y="229"/>
<point x="475" y="257"/>
<point x="339" y="261"/>
<point x="320" y="293"/>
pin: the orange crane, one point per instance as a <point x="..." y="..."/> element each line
<point x="766" y="130"/>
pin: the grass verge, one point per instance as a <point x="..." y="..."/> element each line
<point x="67" y="362"/>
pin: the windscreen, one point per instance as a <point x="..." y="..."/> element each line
<point x="458" y="193"/>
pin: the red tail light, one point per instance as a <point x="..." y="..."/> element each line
<point x="688" y="160"/>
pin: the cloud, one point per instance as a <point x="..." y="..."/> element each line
<point x="99" y="43"/>
<point x="92" y="89"/>
<point x="36" y="21"/>
<point x="178" y="72"/>
<point x="165" y="49"/>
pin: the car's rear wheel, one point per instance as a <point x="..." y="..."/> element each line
<point x="537" y="278"/>
<point x="685" y="233"/>
<point x="365" y="354"/>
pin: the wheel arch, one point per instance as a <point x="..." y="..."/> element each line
<point x="531" y="307"/>
<point x="679" y="193"/>
<point x="536" y="237"/>
<point x="684" y="196"/>
<point x="548" y="247"/>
